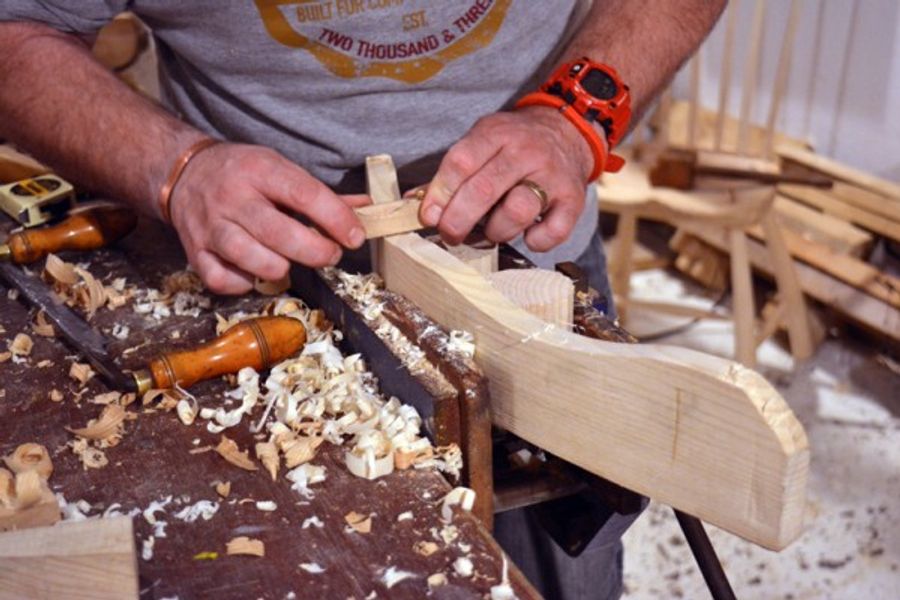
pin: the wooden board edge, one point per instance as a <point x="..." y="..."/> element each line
<point x="773" y="501"/>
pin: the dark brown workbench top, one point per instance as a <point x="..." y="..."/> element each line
<point x="153" y="462"/>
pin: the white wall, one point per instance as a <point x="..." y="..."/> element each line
<point x="859" y="126"/>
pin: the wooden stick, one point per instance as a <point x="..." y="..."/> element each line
<point x="86" y="559"/>
<point x="799" y="332"/>
<point x="855" y="305"/>
<point x="819" y="7"/>
<point x="390" y="218"/>
<point x="693" y="118"/>
<point x="832" y="205"/>
<point x="381" y="179"/>
<point x="742" y="299"/>
<point x="842" y="172"/>
<point x="781" y="76"/>
<point x="725" y="77"/>
<point x="751" y="70"/>
<point x="700" y="433"/>
<point x="845" y="70"/>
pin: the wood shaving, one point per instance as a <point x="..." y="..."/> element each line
<point x="312" y="521"/>
<point x="223" y="488"/>
<point x="165" y="399"/>
<point x="300" y="450"/>
<point x="463" y="566"/>
<point x="229" y="450"/>
<point x="5" y="356"/>
<point x="30" y="457"/>
<point x="312" y="568"/>
<point x="120" y="332"/>
<point x="21" y="345"/>
<point x="91" y="457"/>
<point x="107" y="398"/>
<point x="200" y="450"/>
<point x="202" y="509"/>
<point x="425" y="548"/>
<point x="273" y="288"/>
<point x="41" y="326"/>
<point x="405" y="516"/>
<point x="81" y="372"/>
<point x="75" y="285"/>
<point x="56" y="395"/>
<point x="106" y="427"/>
<point x="358" y="523"/>
<point x="60" y="271"/>
<point x="392" y="576"/>
<point x="25" y="496"/>
<point x="245" y="546"/>
<point x="462" y="497"/>
<point x="436" y="580"/>
<point x="44" y="364"/>
<point x="266" y="506"/>
<point x="187" y="409"/>
<point x="267" y="453"/>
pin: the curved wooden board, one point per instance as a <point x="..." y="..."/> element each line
<point x="702" y="434"/>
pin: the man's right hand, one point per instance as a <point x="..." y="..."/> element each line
<point x="231" y="208"/>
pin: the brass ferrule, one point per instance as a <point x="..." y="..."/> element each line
<point x="5" y="252"/>
<point x="144" y="381"/>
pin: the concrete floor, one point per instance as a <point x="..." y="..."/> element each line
<point x="848" y="399"/>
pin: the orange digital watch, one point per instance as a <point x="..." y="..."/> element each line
<point x="586" y="92"/>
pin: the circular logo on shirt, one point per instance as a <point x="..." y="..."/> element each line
<point x="406" y="40"/>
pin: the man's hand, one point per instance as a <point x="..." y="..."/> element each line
<point x="482" y="172"/>
<point x="231" y="210"/>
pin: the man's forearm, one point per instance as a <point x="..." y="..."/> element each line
<point x="59" y="104"/>
<point x="646" y="41"/>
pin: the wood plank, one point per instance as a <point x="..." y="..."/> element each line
<point x="848" y="269"/>
<point x="837" y="207"/>
<point x="819" y="227"/>
<point x="390" y="218"/>
<point x="840" y="171"/>
<point x="548" y="295"/>
<point x="86" y="559"/>
<point x="857" y="306"/>
<point x="700" y="433"/>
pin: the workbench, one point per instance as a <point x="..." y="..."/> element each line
<point x="155" y="460"/>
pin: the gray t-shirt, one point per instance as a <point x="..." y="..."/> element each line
<point x="328" y="82"/>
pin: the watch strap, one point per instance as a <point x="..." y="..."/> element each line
<point x="603" y="160"/>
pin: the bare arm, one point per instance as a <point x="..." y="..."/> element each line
<point x="646" y="41"/>
<point x="229" y="205"/>
<point x="61" y="105"/>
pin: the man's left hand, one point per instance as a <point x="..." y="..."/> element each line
<point x="482" y="172"/>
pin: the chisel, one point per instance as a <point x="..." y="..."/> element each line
<point x="257" y="343"/>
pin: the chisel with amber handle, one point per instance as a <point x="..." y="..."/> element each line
<point x="258" y="343"/>
<point x="86" y="229"/>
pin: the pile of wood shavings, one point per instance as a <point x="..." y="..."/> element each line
<point x="181" y="294"/>
<point x="104" y="432"/>
<point x="75" y="285"/>
<point x="322" y="396"/>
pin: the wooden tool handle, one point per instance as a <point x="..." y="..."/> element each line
<point x="258" y="343"/>
<point x="93" y="228"/>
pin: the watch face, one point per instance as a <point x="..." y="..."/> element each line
<point x="599" y="85"/>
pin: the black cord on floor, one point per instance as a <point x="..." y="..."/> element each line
<point x="681" y="328"/>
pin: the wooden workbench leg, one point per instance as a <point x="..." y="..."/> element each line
<point x="799" y="331"/>
<point x="742" y="299"/>
<point x="622" y="259"/>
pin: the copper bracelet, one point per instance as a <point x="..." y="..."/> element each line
<point x="165" y="194"/>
